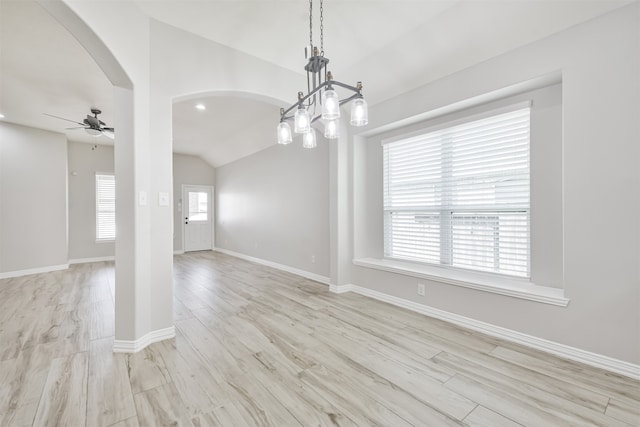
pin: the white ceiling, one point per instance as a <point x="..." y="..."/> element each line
<point x="217" y="134"/>
<point x="277" y="31"/>
<point x="392" y="46"/>
<point x="43" y="69"/>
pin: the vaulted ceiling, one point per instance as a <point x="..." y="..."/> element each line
<point x="391" y="45"/>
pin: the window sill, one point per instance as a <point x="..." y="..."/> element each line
<point x="512" y="287"/>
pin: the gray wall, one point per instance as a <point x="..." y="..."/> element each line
<point x="600" y="182"/>
<point x="37" y="167"/>
<point x="187" y="170"/>
<point x="85" y="161"/>
<point x="274" y="205"/>
<point x="33" y="198"/>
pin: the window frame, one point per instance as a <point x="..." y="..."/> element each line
<point x="547" y="282"/>
<point x="461" y="120"/>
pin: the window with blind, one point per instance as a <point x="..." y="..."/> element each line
<point x="459" y="196"/>
<point x="105" y="207"/>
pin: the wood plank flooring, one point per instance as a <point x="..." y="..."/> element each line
<point x="260" y="347"/>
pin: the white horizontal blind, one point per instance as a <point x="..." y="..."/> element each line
<point x="459" y="196"/>
<point x="105" y="207"/>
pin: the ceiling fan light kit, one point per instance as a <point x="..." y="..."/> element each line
<point x="320" y="80"/>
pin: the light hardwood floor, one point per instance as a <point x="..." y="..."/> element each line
<point x="257" y="346"/>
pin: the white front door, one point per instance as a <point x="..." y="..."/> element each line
<point x="197" y="217"/>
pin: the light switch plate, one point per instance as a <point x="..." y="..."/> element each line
<point x="142" y="198"/>
<point x="163" y="199"/>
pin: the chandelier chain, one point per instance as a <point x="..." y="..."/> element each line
<point x="311" y="23"/>
<point x="321" y="29"/>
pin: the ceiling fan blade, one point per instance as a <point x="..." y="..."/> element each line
<point x="108" y="132"/>
<point x="62" y="118"/>
<point x="79" y="127"/>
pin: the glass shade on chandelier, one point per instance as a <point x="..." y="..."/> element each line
<point x="330" y="105"/>
<point x="284" y="133"/>
<point x="301" y="121"/>
<point x="309" y="139"/>
<point x="332" y="129"/>
<point x="359" y="112"/>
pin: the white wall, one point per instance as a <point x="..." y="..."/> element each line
<point x="187" y="170"/>
<point x="85" y="160"/>
<point x="116" y="35"/>
<point x="600" y="65"/>
<point x="274" y="205"/>
<point x="33" y="195"/>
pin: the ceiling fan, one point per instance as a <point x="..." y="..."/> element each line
<point x="92" y="125"/>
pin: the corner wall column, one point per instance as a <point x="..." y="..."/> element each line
<point x="339" y="207"/>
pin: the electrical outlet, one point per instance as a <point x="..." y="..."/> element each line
<point x="313" y="259"/>
<point x="421" y="289"/>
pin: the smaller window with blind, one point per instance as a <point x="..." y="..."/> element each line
<point x="105" y="207"/>
<point x="459" y="196"/>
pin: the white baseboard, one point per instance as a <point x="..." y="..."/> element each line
<point x="340" y="289"/>
<point x="596" y="360"/>
<point x="178" y="252"/>
<point x="293" y="270"/>
<point x="47" y="269"/>
<point x="50" y="268"/>
<point x="96" y="259"/>
<point x="126" y="346"/>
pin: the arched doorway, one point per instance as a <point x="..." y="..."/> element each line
<point x="136" y="323"/>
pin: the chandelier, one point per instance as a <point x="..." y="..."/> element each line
<point x="321" y="100"/>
